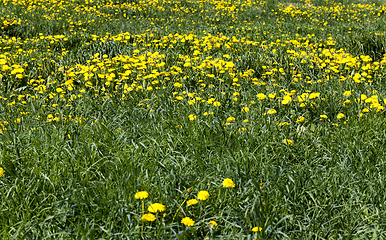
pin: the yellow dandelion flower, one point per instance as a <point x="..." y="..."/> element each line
<point x="192" y="117"/>
<point x="213" y="223"/>
<point x="340" y="116"/>
<point x="245" y="109"/>
<point x="217" y="104"/>
<point x="231" y="119"/>
<point x="191" y="202"/>
<point x="187" y="221"/>
<point x="149" y="217"/>
<point x="141" y="195"/>
<point x="1" y="172"/>
<point x="289" y="142"/>
<point x="228" y="183"/>
<point x="347" y="93"/>
<point x="314" y="95"/>
<point x="203" y="195"/>
<point x="257" y="229"/>
<point x="261" y="96"/>
<point x="272" y="111"/>
<point x="156" y="207"/>
<point x="59" y="90"/>
<point x="300" y="119"/>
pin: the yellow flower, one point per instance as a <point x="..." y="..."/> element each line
<point x="228" y="183"/>
<point x="245" y="109"/>
<point x="1" y="172"/>
<point x="148" y="217"/>
<point x="203" y="195"/>
<point x="213" y="223"/>
<point x="272" y="111"/>
<point x="340" y="116"/>
<point x="141" y="195"/>
<point x="323" y="116"/>
<point x="289" y="142"/>
<point x="191" y="202"/>
<point x="187" y="221"/>
<point x="231" y="119"/>
<point x="156" y="207"/>
<point x="286" y="99"/>
<point x="217" y="104"/>
<point x="59" y="90"/>
<point x="314" y="95"/>
<point x="257" y="229"/>
<point x="347" y="93"/>
<point x="261" y="96"/>
<point x="192" y="117"/>
<point x="300" y="119"/>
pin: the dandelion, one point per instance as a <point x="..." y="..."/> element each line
<point x="203" y="195"/>
<point x="156" y="207"/>
<point x="217" y="104"/>
<point x="257" y="229"/>
<point x="231" y="119"/>
<point x="191" y="202"/>
<point x="289" y="142"/>
<point x="286" y="99"/>
<point x="245" y="109"/>
<point x="1" y="172"/>
<point x="187" y="221"/>
<point x="213" y="223"/>
<point x="192" y="117"/>
<point x="272" y="111"/>
<point x="59" y="90"/>
<point x="141" y="195"/>
<point x="314" y="95"/>
<point x="261" y="96"/>
<point x="300" y="119"/>
<point x="228" y="183"/>
<point x="148" y="217"/>
<point x="340" y="116"/>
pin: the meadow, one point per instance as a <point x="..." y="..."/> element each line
<point x="192" y="119"/>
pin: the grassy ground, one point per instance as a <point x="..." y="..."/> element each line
<point x="101" y="100"/>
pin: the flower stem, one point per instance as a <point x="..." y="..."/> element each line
<point x="175" y="215"/>
<point x="143" y="210"/>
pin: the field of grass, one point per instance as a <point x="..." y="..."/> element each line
<point x="192" y="119"/>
